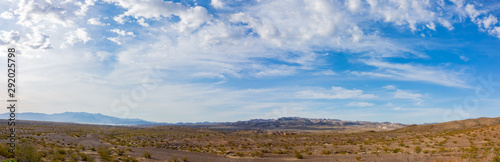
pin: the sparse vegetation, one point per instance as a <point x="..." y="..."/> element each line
<point x="147" y="155"/>
<point x="65" y="143"/>
<point x="418" y="149"/>
<point x="298" y="155"/>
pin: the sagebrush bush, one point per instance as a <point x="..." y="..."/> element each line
<point x="27" y="153"/>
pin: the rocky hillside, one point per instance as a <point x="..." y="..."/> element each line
<point x="454" y="125"/>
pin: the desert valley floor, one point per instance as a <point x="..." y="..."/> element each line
<point x="465" y="140"/>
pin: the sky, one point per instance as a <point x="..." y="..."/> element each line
<point x="406" y="61"/>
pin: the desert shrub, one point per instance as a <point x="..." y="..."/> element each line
<point x="4" y="150"/>
<point x="256" y="154"/>
<point x="61" y="151"/>
<point x="173" y="159"/>
<point x="298" y="155"/>
<point x="130" y="159"/>
<point x="240" y="154"/>
<point x="26" y="152"/>
<point x="105" y="154"/>
<point x="326" y="152"/>
<point x="74" y="157"/>
<point x="496" y="159"/>
<point x="53" y="155"/>
<point x="147" y="155"/>
<point x="418" y="149"/>
<point x="84" y="156"/>
<point x="120" y="152"/>
<point x="278" y="152"/>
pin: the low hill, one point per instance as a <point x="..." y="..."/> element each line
<point x="454" y="125"/>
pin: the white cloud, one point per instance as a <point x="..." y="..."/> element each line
<point x="122" y="32"/>
<point x="119" y="19"/>
<point x="278" y="70"/>
<point x="390" y="87"/>
<point x="38" y="40"/>
<point x="334" y="93"/>
<point x="190" y="17"/>
<point x="148" y="8"/>
<point x="403" y="12"/>
<point x="9" y="37"/>
<point x="115" y="39"/>
<point x="264" y="29"/>
<point x="357" y="34"/>
<point x="7" y="15"/>
<point x="495" y="31"/>
<point x="411" y="72"/>
<point x="446" y="23"/>
<point x="404" y="94"/>
<point x="142" y="22"/>
<point x="326" y="72"/>
<point x="217" y="3"/>
<point x="464" y="58"/>
<point x="121" y="35"/>
<point x="327" y="24"/>
<point x="431" y="26"/>
<point x="78" y="35"/>
<point x="375" y="74"/>
<point x="84" y="7"/>
<point x="471" y="11"/>
<point x="489" y="21"/>
<point x="95" y="21"/>
<point x="31" y="13"/>
<point x="458" y="3"/>
<point x="353" y="5"/>
<point x="407" y="95"/>
<point x="485" y="24"/>
<point x="360" y="104"/>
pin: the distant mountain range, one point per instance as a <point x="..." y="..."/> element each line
<point x="81" y="117"/>
<point x="254" y="124"/>
<point x="298" y="123"/>
<point x="88" y="118"/>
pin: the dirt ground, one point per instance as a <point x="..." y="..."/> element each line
<point x="74" y="142"/>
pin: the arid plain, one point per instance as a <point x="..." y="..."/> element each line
<point x="465" y="140"/>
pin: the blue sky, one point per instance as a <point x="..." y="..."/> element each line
<point x="408" y="61"/>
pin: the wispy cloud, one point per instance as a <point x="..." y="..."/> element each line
<point x="407" y="95"/>
<point x="360" y="104"/>
<point x="415" y="72"/>
<point x="334" y="93"/>
<point x="390" y="87"/>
